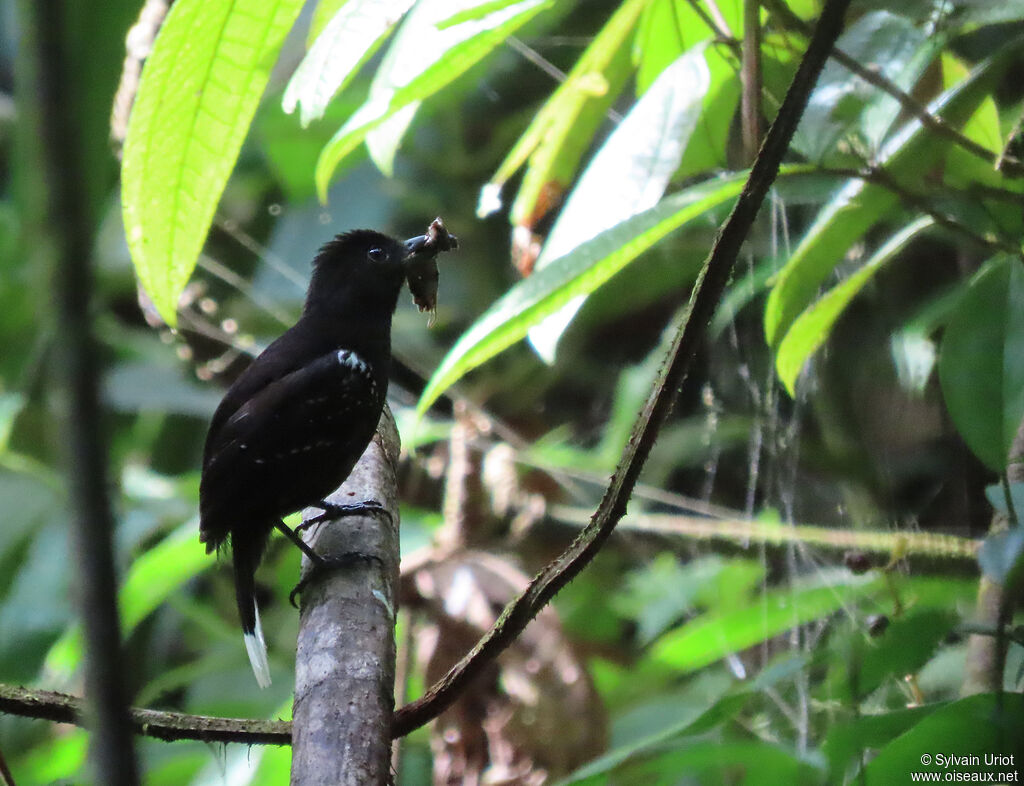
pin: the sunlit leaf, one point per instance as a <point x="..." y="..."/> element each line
<point x="579" y="272"/>
<point x="347" y="41"/>
<point x="422" y="59"/>
<point x="981" y="362"/>
<point x="198" y="94"/>
<point x="384" y="140"/>
<point x="562" y="130"/>
<point x="811" y="329"/>
<point x="628" y="174"/>
<point x="963" y="168"/>
<point x="324" y="13"/>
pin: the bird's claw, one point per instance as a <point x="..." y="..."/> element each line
<point x="346" y="560"/>
<point x="332" y="510"/>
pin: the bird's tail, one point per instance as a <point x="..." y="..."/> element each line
<point x="246" y="558"/>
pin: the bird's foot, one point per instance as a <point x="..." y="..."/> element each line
<point x="333" y="510"/>
<point x="324" y="564"/>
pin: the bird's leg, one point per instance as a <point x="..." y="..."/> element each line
<point x="306" y="549"/>
<point x="346" y="560"/>
<point x="333" y="510"/>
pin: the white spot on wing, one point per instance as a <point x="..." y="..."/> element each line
<point x="347" y="357"/>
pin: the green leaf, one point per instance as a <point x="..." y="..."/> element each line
<point x="811" y="329"/>
<point x="198" y="94"/>
<point x="346" y="43"/>
<point x="715" y="635"/>
<point x="975" y="726"/>
<point x="421" y="60"/>
<point x="628" y="174"/>
<point x="563" y="129"/>
<point x="579" y="272"/>
<point x="858" y="205"/>
<point x="981" y="362"/>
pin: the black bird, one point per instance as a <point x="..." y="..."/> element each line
<point x="291" y="428"/>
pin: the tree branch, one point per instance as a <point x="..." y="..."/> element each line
<point x="64" y="708"/>
<point x="345" y="663"/>
<point x="706" y="293"/>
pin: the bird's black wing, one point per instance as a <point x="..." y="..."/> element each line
<point x="283" y="357"/>
<point x="290" y="444"/>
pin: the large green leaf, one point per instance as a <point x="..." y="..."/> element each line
<point x="981" y="363"/>
<point x="810" y="330"/>
<point x="628" y="174"/>
<point x="858" y="205"/>
<point x="346" y="42"/>
<point x="579" y="272"/>
<point x="198" y="94"/>
<point x="427" y="54"/>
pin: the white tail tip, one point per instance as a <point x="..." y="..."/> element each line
<point x="257" y="649"/>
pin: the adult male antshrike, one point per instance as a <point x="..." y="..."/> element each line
<point x="291" y="428"/>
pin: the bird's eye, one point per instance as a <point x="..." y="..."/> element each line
<point x="377" y="254"/>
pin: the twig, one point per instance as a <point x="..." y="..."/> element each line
<point x="111" y="745"/>
<point x="881" y="177"/>
<point x="872" y="76"/>
<point x="64" y="708"/>
<point x="719" y="18"/>
<point x="933" y="545"/>
<point x="706" y="293"/>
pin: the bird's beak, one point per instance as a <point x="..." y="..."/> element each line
<point x="415" y="245"/>
<point x="429" y="245"/>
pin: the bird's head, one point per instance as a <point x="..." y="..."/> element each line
<point x="361" y="267"/>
